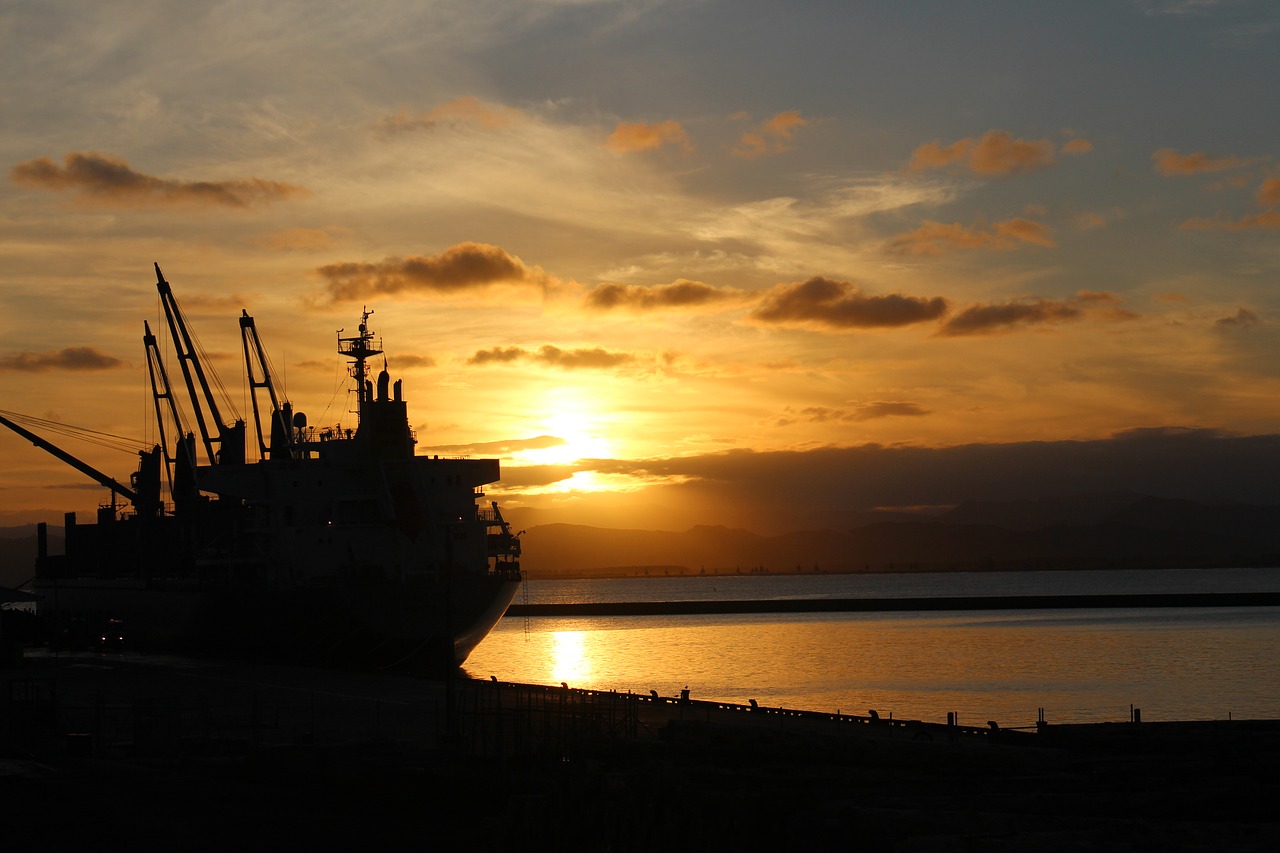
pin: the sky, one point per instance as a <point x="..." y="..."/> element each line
<point x="673" y="262"/>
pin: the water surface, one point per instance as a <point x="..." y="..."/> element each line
<point x="1078" y="665"/>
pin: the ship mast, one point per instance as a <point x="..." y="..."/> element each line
<point x="359" y="349"/>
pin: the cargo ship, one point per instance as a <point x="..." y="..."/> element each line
<point x="335" y="545"/>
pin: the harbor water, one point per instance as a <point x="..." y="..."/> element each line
<point x="1010" y="666"/>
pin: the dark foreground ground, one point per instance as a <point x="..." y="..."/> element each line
<point x="130" y="753"/>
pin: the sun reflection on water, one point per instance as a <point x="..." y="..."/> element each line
<point x="569" y="661"/>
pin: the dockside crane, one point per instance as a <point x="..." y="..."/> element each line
<point x="279" y="442"/>
<point x="230" y="438"/>
<point x="145" y="496"/>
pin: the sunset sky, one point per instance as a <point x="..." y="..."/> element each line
<point x="745" y="263"/>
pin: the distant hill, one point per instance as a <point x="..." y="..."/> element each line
<point x="1114" y="530"/>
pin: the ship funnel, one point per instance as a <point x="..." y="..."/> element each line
<point x="384" y="385"/>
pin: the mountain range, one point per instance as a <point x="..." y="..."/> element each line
<point x="1110" y="530"/>
<point x="1088" y="531"/>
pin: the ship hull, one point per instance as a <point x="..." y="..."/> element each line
<point x="424" y="627"/>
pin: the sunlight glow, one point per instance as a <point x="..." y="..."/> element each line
<point x="569" y="662"/>
<point x="576" y="421"/>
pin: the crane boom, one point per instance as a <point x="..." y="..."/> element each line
<point x="82" y="467"/>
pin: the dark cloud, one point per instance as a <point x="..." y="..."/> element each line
<point x="498" y="355"/>
<point x="534" y="476"/>
<point x="679" y="294"/>
<point x="832" y="304"/>
<point x="888" y="409"/>
<point x="412" y="361"/>
<point x="991" y="319"/>
<point x="860" y="412"/>
<point x="71" y="358"/>
<point x="795" y="490"/>
<point x="553" y="356"/>
<point x="1009" y="316"/>
<point x="1243" y="319"/>
<point x="106" y="179"/>
<point x="466" y="266"/>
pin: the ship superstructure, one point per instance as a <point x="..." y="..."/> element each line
<point x="334" y="544"/>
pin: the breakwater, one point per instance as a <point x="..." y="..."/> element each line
<point x="912" y="604"/>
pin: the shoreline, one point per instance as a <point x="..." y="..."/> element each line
<point x="922" y="604"/>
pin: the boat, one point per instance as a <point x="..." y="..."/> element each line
<point x="329" y="544"/>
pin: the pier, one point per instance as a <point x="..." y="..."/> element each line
<point x="160" y="752"/>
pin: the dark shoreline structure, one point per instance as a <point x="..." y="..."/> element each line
<point x="127" y="752"/>
<point x="870" y="605"/>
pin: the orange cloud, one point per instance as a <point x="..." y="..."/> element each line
<point x="466" y="266"/>
<point x="552" y="356"/>
<point x="1090" y="221"/>
<point x="1269" y="192"/>
<point x="994" y="153"/>
<point x="936" y="238"/>
<point x="465" y="109"/>
<point x="770" y="137"/>
<point x="628" y="136"/>
<point x="832" y="304"/>
<point x="1004" y="317"/>
<point x="1167" y="161"/>
<point x="1258" y="222"/>
<point x="1077" y="146"/>
<point x="71" y="358"/>
<point x="302" y="239"/>
<point x="678" y="294"/>
<point x="106" y="179"/>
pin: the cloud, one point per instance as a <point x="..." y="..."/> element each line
<point x="301" y="239"/>
<point x="679" y="294"/>
<point x="466" y="266"/>
<point x="1269" y="192"/>
<point x="629" y="137"/>
<point x="1270" y="220"/>
<point x="403" y="360"/>
<point x="1244" y="319"/>
<point x="595" y="358"/>
<point x="770" y="137"/>
<point x="993" y="154"/>
<point x="936" y="238"/>
<point x="1077" y="146"/>
<point x="1167" y="161"/>
<point x="505" y="447"/>
<point x="832" y="304"/>
<point x="71" y="358"/>
<point x="105" y="179"/>
<point x="793" y="490"/>
<point x="1090" y="221"/>
<point x="1009" y="316"/>
<point x="856" y="413"/>
<point x="462" y="110"/>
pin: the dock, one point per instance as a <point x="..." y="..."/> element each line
<point x="167" y="752"/>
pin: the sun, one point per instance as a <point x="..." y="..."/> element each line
<point x="580" y="428"/>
